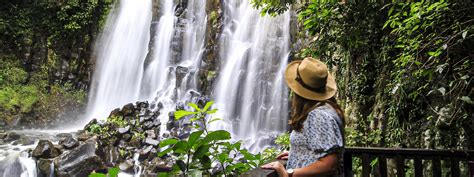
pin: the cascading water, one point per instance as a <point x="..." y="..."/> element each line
<point x="157" y="72"/>
<point x="171" y="79"/>
<point x="121" y="53"/>
<point x="250" y="92"/>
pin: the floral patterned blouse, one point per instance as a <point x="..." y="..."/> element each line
<point x="319" y="137"/>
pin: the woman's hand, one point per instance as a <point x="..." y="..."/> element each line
<point x="278" y="167"/>
<point x="283" y="156"/>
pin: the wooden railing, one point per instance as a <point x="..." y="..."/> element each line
<point x="454" y="157"/>
<point x="400" y="155"/>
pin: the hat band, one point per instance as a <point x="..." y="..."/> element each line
<point x="320" y="89"/>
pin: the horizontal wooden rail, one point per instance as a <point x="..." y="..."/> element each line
<point x="402" y="154"/>
<point x="454" y="157"/>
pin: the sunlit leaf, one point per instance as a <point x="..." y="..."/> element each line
<point x="216" y="136"/>
<point x="97" y="175"/>
<point x="467" y="99"/>
<point x="164" y="152"/>
<point x="194" y="136"/>
<point x="195" y="106"/>
<point x="212" y="111"/>
<point x="207" y="106"/>
<point x="113" y="172"/>
<point x="214" y="119"/>
<point x="181" y="113"/>
<point x="167" y="142"/>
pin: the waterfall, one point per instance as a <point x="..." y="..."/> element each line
<point x="172" y="79"/>
<point x="121" y="52"/>
<point x="157" y="72"/>
<point x="250" y="92"/>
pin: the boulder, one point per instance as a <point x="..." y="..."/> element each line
<point x="25" y="140"/>
<point x="148" y="125"/>
<point x="83" y="136"/>
<point x="80" y="161"/>
<point x="123" y="130"/>
<point x="126" y="166"/>
<point x="45" y="149"/>
<point x="12" y="136"/>
<point x="44" y="166"/>
<point x="68" y="142"/>
<point x="126" y="137"/>
<point x="152" y="141"/>
<point x="115" y="113"/>
<point x="3" y="135"/>
<point x="128" y="109"/>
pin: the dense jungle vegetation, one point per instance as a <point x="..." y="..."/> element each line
<point x="404" y="70"/>
<point x="45" y="58"/>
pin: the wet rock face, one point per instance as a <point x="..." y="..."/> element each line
<point x="80" y="161"/>
<point x="68" y="142"/>
<point x="45" y="149"/>
<point x="44" y="166"/>
<point x="11" y="136"/>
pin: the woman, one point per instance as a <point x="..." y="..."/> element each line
<point x="317" y="139"/>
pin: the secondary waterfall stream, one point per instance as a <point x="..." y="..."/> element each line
<point x="121" y="52"/>
<point x="250" y="92"/>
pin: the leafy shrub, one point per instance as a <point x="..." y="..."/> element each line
<point x="204" y="148"/>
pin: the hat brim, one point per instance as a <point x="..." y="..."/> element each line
<point x="295" y="86"/>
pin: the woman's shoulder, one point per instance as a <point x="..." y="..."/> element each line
<point x="324" y="110"/>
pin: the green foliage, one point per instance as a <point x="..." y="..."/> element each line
<point x="203" y="148"/>
<point x="44" y="57"/>
<point x="117" y="120"/>
<point x="112" y="172"/>
<point x="272" y="7"/>
<point x="283" y="141"/>
<point x="402" y="68"/>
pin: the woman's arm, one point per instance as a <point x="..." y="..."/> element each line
<point x="323" y="166"/>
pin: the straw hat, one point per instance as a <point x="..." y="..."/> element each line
<point x="310" y="79"/>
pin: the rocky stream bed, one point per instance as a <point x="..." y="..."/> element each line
<point x="128" y="140"/>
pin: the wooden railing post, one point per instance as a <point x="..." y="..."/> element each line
<point x="436" y="167"/>
<point x="383" y="166"/>
<point x="348" y="165"/>
<point x="400" y="166"/>
<point x="454" y="167"/>
<point x="365" y="165"/>
<point x="471" y="168"/>
<point x="418" y="167"/>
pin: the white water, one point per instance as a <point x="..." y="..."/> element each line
<point x="250" y="92"/>
<point x="157" y="72"/>
<point x="120" y="52"/>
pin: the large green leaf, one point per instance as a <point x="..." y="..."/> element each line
<point x="97" y="175"/>
<point x="222" y="157"/>
<point x="164" y="152"/>
<point x="201" y="151"/>
<point x="207" y="106"/>
<point x="167" y="142"/>
<point x="205" y="161"/>
<point x="195" y="106"/>
<point x="181" y="113"/>
<point x="211" y="111"/>
<point x="113" y="172"/>
<point x="194" y="136"/>
<point x="181" y="147"/>
<point x="216" y="136"/>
